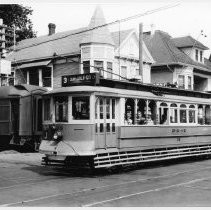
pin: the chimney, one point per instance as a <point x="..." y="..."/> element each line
<point x="51" y="29"/>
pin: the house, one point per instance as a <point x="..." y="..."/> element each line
<point x="43" y="60"/>
<point x="178" y="61"/>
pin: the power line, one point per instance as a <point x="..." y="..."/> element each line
<point x="107" y="24"/>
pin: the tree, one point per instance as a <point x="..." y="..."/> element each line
<point x="18" y="16"/>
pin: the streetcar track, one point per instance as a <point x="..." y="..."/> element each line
<point x="75" y="193"/>
<point x="71" y="178"/>
<point x="144" y="192"/>
<point x="197" y="187"/>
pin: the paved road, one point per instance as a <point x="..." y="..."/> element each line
<point x="29" y="184"/>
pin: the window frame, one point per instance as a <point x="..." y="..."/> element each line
<point x="179" y="77"/>
<point x="72" y="110"/>
<point x="123" y="66"/>
<point x="109" y="70"/>
<point x="99" y="69"/>
<point x="84" y="66"/>
<point x="189" y="84"/>
<point x="67" y="107"/>
<point x="201" y="56"/>
<point x="196" y="54"/>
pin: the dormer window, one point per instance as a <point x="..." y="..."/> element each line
<point x="197" y="55"/>
<point x="201" y="54"/>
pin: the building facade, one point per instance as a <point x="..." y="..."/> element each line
<point x="179" y="61"/>
<point x="43" y="60"/>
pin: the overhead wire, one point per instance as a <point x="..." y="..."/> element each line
<point x="94" y="28"/>
<point x="104" y="25"/>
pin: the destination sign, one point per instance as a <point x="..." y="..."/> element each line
<point x="69" y="80"/>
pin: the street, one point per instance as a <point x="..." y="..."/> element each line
<point x="24" y="182"/>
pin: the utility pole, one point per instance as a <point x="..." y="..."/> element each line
<point x="141" y="51"/>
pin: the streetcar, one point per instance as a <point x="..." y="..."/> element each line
<point x="100" y="123"/>
<point x="21" y="116"/>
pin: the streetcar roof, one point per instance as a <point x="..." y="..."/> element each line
<point x="115" y="92"/>
<point x="20" y="91"/>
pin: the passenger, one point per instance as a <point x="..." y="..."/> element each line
<point x="128" y="120"/>
<point x="164" y="120"/>
<point x="140" y="119"/>
<point x="149" y="120"/>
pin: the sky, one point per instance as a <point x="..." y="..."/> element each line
<point x="186" y="17"/>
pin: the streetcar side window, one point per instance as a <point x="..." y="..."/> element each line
<point x="207" y="115"/>
<point x="46" y="109"/>
<point x="61" y="109"/>
<point x="129" y="111"/>
<point x="141" y="117"/>
<point x="183" y="113"/>
<point x="200" y="115"/>
<point x="173" y="113"/>
<point x="192" y="114"/>
<point x="80" y="108"/>
<point x="4" y="111"/>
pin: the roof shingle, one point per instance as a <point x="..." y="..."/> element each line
<point x="165" y="52"/>
<point x="101" y="34"/>
<point x="188" y="41"/>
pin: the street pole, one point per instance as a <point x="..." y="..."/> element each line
<point x="141" y="51"/>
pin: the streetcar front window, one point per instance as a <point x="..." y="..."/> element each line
<point x="61" y="109"/>
<point x="80" y="108"/>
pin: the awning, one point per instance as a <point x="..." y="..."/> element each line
<point x="34" y="64"/>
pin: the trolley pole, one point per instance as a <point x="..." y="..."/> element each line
<point x="141" y="50"/>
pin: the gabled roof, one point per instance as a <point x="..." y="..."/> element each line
<point x="64" y="43"/>
<point x="163" y="49"/>
<point x="119" y="37"/>
<point x="188" y="41"/>
<point x="165" y="52"/>
<point x="100" y="35"/>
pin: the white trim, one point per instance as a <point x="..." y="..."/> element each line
<point x="144" y="46"/>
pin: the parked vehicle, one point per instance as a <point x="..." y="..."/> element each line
<point x="21" y="115"/>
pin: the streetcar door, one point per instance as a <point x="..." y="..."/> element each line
<point x="105" y="122"/>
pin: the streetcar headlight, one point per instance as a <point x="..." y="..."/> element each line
<point x="55" y="136"/>
<point x="58" y="135"/>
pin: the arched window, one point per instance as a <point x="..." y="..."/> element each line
<point x="163" y="113"/>
<point x="183" y="113"/>
<point x="129" y="111"/>
<point x="163" y="104"/>
<point x="192" y="114"/>
<point x="173" y="113"/>
<point x="200" y="115"/>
